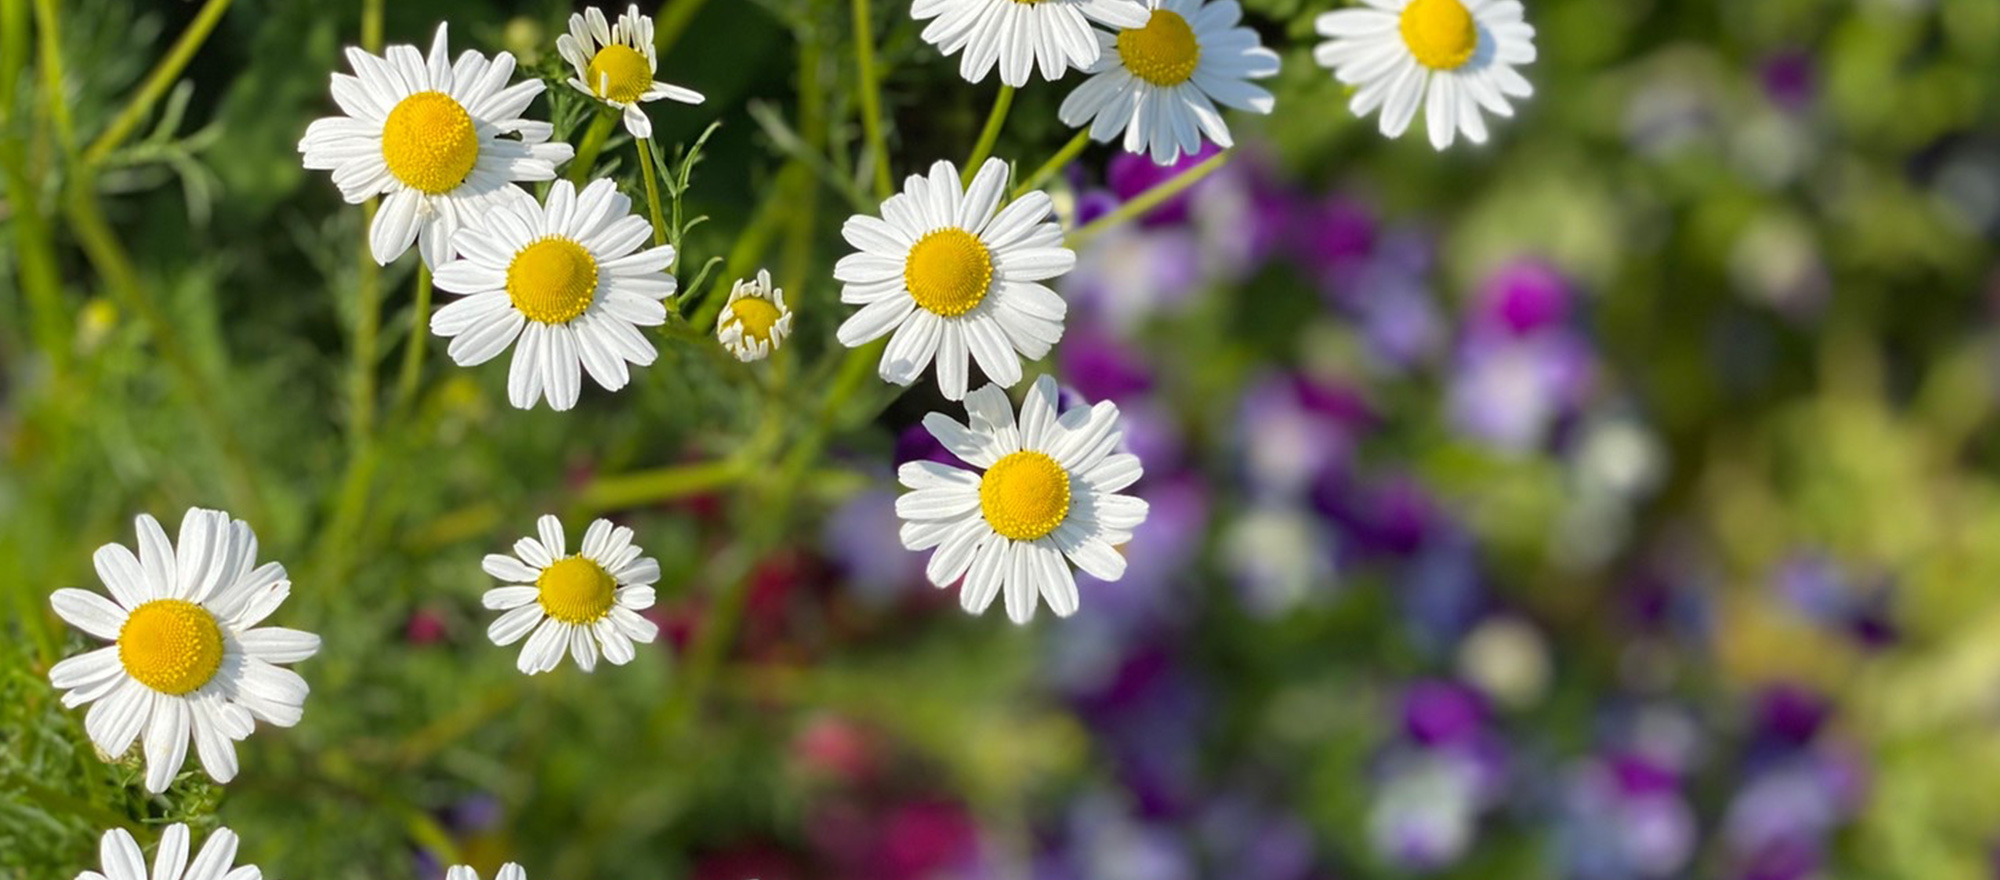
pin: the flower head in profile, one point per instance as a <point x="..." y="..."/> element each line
<point x="581" y="605"/>
<point x="442" y="140"/>
<point x="755" y="320"/>
<point x="1456" y="58"/>
<point x="1018" y="35"/>
<point x="956" y="277"/>
<point x="615" y="63"/>
<point x="1047" y="488"/>
<point x="1159" y="83"/>
<point x="188" y="660"/>
<point x="568" y="281"/>
<point x="120" y="858"/>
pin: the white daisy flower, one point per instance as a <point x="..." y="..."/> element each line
<point x="118" y="853"/>
<point x="579" y="604"/>
<point x="1159" y="83"/>
<point x="1048" y="489"/>
<point x="615" y="64"/>
<point x="443" y="140"/>
<point x="1457" y="56"/>
<point x="509" y="871"/>
<point x="1016" y="34"/>
<point x="568" y="279"/>
<point x="755" y="320"/>
<point x="955" y="275"/>
<point x="188" y="658"/>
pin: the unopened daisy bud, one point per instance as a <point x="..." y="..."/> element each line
<point x="755" y="321"/>
<point x="615" y="63"/>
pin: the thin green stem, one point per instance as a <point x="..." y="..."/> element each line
<point x="367" y="328"/>
<point x="101" y="246"/>
<point x="420" y="334"/>
<point x="1146" y="201"/>
<point x="593" y="143"/>
<point x="672" y="22"/>
<point x="49" y="48"/>
<point x="41" y="284"/>
<point x="994" y="120"/>
<point x="158" y="82"/>
<point x="13" y="52"/>
<point x="1055" y="165"/>
<point x="659" y="485"/>
<point x="371" y="25"/>
<point x="645" y="148"/>
<point x="871" y="98"/>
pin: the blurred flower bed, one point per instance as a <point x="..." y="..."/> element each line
<point x="1613" y="501"/>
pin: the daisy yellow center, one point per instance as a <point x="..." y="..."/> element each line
<point x="619" y="73"/>
<point x="429" y="143"/>
<point x="170" y="645"/>
<point x="948" y="272"/>
<point x="576" y="590"/>
<point x="1440" y="33"/>
<point x="552" y="280"/>
<point x="1164" y="52"/>
<point x="757" y="315"/>
<point x="1025" y="495"/>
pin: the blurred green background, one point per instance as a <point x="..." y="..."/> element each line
<point x="1612" y="500"/>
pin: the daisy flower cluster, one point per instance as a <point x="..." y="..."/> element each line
<point x="949" y="274"/>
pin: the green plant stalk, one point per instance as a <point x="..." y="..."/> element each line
<point x="371" y="25"/>
<point x="420" y="335"/>
<point x="593" y="143"/>
<point x="101" y="246"/>
<point x="49" y="49"/>
<point x="659" y="485"/>
<point x="162" y="78"/>
<point x="672" y="22"/>
<point x="367" y="328"/>
<point x="1056" y="163"/>
<point x="870" y="87"/>
<point x="645" y="148"/>
<point x="994" y="120"/>
<point x="40" y="282"/>
<point x="13" y="52"/>
<point x="1146" y="201"/>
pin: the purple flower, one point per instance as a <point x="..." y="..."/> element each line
<point x="861" y="536"/>
<point x="1790" y="79"/>
<point x="1521" y="299"/>
<point x="1511" y="393"/>
<point x="1131" y="273"/>
<point x="1789" y="715"/>
<point x="1129" y="175"/>
<point x="1426" y="811"/>
<point x="1100" y="367"/>
<point x="1623" y="823"/>
<point x="1294" y="430"/>
<point x="1437" y="712"/>
<point x="1256" y="841"/>
<point x="1332" y="237"/>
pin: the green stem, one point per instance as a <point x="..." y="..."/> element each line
<point x="1146" y="201"/>
<point x="1056" y="163"/>
<point x="420" y="334"/>
<point x="672" y="22"/>
<point x="13" y="52"/>
<point x="1001" y="104"/>
<point x="101" y="246"/>
<point x="871" y="98"/>
<point x="162" y="78"/>
<point x="645" y="148"/>
<point x="659" y="485"/>
<point x="371" y="25"/>
<point x="593" y="143"/>
<point x="367" y="328"/>
<point x="50" y="50"/>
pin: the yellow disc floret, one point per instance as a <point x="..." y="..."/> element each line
<point x="1440" y="33"/>
<point x="757" y="316"/>
<point x="429" y="143"/>
<point x="170" y="645"/>
<point x="576" y="590"/>
<point x="1025" y="495"/>
<point x="1164" y="52"/>
<point x="948" y="272"/>
<point x="553" y="280"/>
<point x="619" y="73"/>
